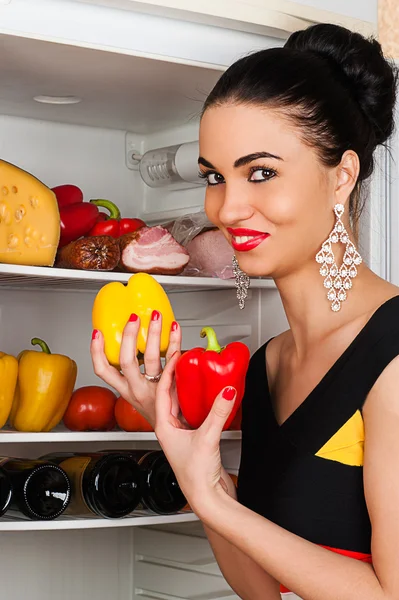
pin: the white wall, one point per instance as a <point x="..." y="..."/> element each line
<point x="90" y="157"/>
<point x="359" y="9"/>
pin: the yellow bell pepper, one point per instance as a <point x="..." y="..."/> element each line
<point x="8" y="381"/>
<point x="115" y="303"/>
<point x="44" y="388"/>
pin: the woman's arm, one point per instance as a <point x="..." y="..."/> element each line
<point x="244" y="575"/>
<point x="307" y="569"/>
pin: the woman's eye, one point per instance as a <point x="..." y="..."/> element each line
<point x="214" y="178"/>
<point x="262" y="175"/>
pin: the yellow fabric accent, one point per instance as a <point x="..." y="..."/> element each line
<point x="29" y="218"/>
<point x="347" y="445"/>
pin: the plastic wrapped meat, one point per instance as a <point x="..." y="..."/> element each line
<point x="210" y="256"/>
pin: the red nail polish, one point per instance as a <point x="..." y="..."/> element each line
<point x="94" y="335"/>
<point x="155" y="315"/>
<point x="174" y="326"/>
<point x="229" y="393"/>
<point x="133" y="317"/>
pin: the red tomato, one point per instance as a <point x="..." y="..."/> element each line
<point x="128" y="418"/>
<point x="91" y="408"/>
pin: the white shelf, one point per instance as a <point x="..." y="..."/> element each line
<point x="8" y="436"/>
<point x="16" y="522"/>
<point x="48" y="278"/>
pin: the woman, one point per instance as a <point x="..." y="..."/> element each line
<point x="287" y="136"/>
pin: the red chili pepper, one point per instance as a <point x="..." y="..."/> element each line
<point x="114" y="226"/>
<point x="76" y="217"/>
<point x="201" y="374"/>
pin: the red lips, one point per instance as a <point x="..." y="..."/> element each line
<point x="242" y="231"/>
<point x="257" y="237"/>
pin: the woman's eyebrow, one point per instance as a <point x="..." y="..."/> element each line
<point x="241" y="162"/>
<point x="205" y="163"/>
<point x="244" y="160"/>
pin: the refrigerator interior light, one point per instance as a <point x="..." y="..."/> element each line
<point x="57" y="99"/>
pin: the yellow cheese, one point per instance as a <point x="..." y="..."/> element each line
<point x="29" y="218"/>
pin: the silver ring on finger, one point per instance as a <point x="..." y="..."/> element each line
<point x="153" y="378"/>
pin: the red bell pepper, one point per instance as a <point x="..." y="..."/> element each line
<point x="76" y="217"/>
<point x="114" y="226"/>
<point x="202" y="373"/>
<point x="68" y="194"/>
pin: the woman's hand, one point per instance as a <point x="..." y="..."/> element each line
<point x="193" y="454"/>
<point x="131" y="384"/>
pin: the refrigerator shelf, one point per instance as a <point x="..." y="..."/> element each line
<point x="61" y="434"/>
<point x="72" y="280"/>
<point x="13" y="521"/>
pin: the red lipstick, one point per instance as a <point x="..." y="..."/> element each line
<point x="252" y="238"/>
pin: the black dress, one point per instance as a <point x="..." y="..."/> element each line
<point x="307" y="474"/>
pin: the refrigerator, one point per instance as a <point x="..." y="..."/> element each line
<point x="141" y="70"/>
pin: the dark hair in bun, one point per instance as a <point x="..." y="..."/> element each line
<point x="333" y="83"/>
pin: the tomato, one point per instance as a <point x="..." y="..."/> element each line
<point x="91" y="408"/>
<point x="128" y="418"/>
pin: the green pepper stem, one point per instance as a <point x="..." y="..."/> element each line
<point x="114" y="212"/>
<point x="213" y="343"/>
<point x="42" y="344"/>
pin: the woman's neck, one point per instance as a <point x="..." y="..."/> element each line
<point x="309" y="311"/>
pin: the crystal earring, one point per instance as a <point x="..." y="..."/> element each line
<point x="338" y="280"/>
<point x="242" y="283"/>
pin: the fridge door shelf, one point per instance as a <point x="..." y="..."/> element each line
<point x="62" y="435"/>
<point x="73" y="280"/>
<point x="16" y="522"/>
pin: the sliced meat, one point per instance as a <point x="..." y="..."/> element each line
<point x="210" y="256"/>
<point x="152" y="250"/>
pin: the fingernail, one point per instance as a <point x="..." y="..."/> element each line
<point x="229" y="393"/>
<point x="133" y="317"/>
<point x="155" y="315"/>
<point x="94" y="335"/>
<point x="174" y="326"/>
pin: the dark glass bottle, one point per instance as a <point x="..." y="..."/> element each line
<point x="5" y="491"/>
<point x="106" y="484"/>
<point x="160" y="490"/>
<point x="40" y="490"/>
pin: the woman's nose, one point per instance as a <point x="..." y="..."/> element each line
<point x="236" y="207"/>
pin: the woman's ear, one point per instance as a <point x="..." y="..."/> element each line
<point x="347" y="173"/>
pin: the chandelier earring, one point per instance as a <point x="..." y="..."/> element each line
<point x="338" y="280"/>
<point x="242" y="282"/>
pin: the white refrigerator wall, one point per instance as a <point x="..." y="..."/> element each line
<point x="393" y="206"/>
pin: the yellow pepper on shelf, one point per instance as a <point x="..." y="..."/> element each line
<point x="8" y="381"/>
<point x="114" y="304"/>
<point x="44" y="388"/>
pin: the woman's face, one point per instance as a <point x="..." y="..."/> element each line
<point x="275" y="209"/>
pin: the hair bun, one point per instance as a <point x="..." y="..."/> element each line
<point x="360" y="66"/>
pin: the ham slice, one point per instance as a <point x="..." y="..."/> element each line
<point x="152" y="250"/>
